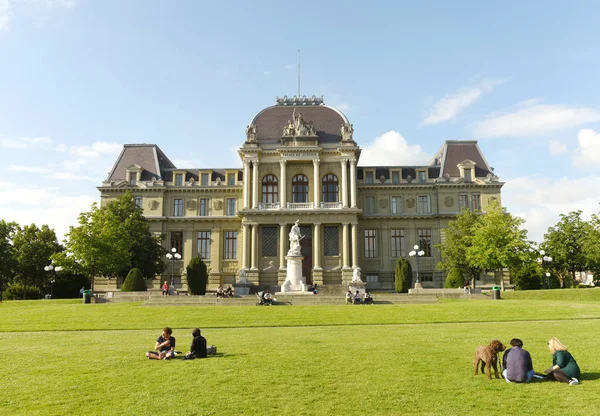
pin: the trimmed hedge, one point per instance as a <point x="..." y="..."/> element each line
<point x="197" y="276"/>
<point x="454" y="279"/>
<point x="403" y="276"/>
<point x="134" y="282"/>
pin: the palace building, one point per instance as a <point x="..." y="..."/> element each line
<point x="300" y="162"/>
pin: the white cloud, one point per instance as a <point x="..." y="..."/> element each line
<point x="535" y="119"/>
<point x="541" y="200"/>
<point x="96" y="149"/>
<point x="392" y="149"/>
<point x="31" y="169"/>
<point x="23" y="142"/>
<point x="451" y="105"/>
<point x="5" y="14"/>
<point x="588" y="152"/>
<point x="556" y="147"/>
<point x="60" y="3"/>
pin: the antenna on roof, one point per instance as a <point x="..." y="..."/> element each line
<point x="298" y="73"/>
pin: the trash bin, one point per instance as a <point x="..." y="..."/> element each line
<point x="496" y="292"/>
<point x="87" y="296"/>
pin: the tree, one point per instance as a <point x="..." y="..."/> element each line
<point x="33" y="249"/>
<point x="454" y="279"/>
<point x="497" y="242"/>
<point x="565" y="244"/>
<point x="7" y="255"/>
<point x="458" y="237"/>
<point x="197" y="276"/>
<point x="112" y="239"/>
<point x="591" y="246"/>
<point x="134" y="282"/>
<point x="403" y="276"/>
<point x="527" y="276"/>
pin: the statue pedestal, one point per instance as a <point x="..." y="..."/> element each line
<point x="294" y="282"/>
<point x="242" y="289"/>
<point x="358" y="285"/>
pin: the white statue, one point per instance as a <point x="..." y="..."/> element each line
<point x="356" y="275"/>
<point x="243" y="278"/>
<point x="295" y="238"/>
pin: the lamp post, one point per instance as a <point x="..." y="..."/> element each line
<point x="418" y="254"/>
<point x="173" y="255"/>
<point x="52" y="270"/>
<point x="545" y="261"/>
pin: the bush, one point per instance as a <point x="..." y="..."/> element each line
<point x="67" y="286"/>
<point x="197" y="276"/>
<point x="454" y="279"/>
<point x="526" y="277"/>
<point x="403" y="276"/>
<point x="16" y="291"/>
<point x="134" y="282"/>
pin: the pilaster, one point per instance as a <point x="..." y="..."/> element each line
<point x="344" y="183"/>
<point x="282" y="184"/>
<point x="353" y="183"/>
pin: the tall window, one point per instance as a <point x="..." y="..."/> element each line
<point x="300" y="188"/>
<point x="139" y="201"/>
<point x="230" y="249"/>
<point x="331" y="238"/>
<point x="177" y="241"/>
<point x="396" y="205"/>
<point x="421" y="176"/>
<point x="476" y="202"/>
<point x="396" y="177"/>
<point x="463" y="201"/>
<point x="369" y="177"/>
<point x="398" y="243"/>
<point x="230" y="206"/>
<point x="370" y="243"/>
<point x="423" y="206"/>
<point x="424" y="239"/>
<point x="468" y="177"/>
<point x="204" y="204"/>
<point x="230" y="179"/>
<point x="204" y="179"/>
<point x="269" y="241"/>
<point x="178" y="179"/>
<point x="270" y="190"/>
<point x="330" y="188"/>
<point x="203" y="244"/>
<point x="178" y="207"/>
<point x="369" y="205"/>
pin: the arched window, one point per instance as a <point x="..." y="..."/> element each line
<point x="330" y="188"/>
<point x="300" y="188"/>
<point x="270" y="191"/>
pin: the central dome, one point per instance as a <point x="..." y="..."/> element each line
<point x="271" y="121"/>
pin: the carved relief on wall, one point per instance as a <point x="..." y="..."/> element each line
<point x="191" y="205"/>
<point x="410" y="202"/>
<point x="448" y="201"/>
<point x="492" y="199"/>
<point x="153" y="205"/>
<point x="383" y="203"/>
<point x="218" y="205"/>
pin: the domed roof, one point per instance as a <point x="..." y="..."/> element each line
<point x="271" y="121"/>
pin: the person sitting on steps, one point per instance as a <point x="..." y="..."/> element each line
<point x="348" y="297"/>
<point x="357" y="298"/>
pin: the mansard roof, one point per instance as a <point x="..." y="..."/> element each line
<point x="454" y="152"/>
<point x="148" y="156"/>
<point x="327" y="121"/>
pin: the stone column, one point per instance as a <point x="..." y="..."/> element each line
<point x="354" y="245"/>
<point x="317" y="246"/>
<point x="345" y="246"/>
<point x="246" y="184"/>
<point x="317" y="183"/>
<point x="344" y="183"/>
<point x="255" y="184"/>
<point x="246" y="252"/>
<point x="282" y="184"/>
<point x="253" y="264"/>
<point x="282" y="272"/>
<point x="353" y="183"/>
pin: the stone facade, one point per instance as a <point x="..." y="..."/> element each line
<point x="239" y="219"/>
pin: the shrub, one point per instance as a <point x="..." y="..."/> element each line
<point x="197" y="276"/>
<point x="16" y="291"/>
<point x="526" y="277"/>
<point x="454" y="279"/>
<point x="67" y="285"/>
<point x="403" y="276"/>
<point x="134" y="282"/>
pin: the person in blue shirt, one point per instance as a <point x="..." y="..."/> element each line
<point x="517" y="363"/>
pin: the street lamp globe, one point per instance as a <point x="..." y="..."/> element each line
<point x="173" y="250"/>
<point x="542" y="252"/>
<point x="412" y="253"/>
<point x="48" y="268"/>
<point x="421" y="253"/>
<point x="169" y="256"/>
<point x="547" y="274"/>
<point x="177" y="256"/>
<point x="416" y="247"/>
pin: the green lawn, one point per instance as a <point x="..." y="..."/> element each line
<point x="61" y="357"/>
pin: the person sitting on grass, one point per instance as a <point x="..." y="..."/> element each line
<point x="357" y="298"/>
<point x="517" y="363"/>
<point x="368" y="297"/>
<point x="349" y="297"/>
<point x="564" y="367"/>
<point x="165" y="346"/>
<point x="198" y="347"/>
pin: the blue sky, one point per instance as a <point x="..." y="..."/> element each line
<point x="79" y="78"/>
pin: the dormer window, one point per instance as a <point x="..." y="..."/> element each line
<point x="421" y="176"/>
<point x="134" y="173"/>
<point x="395" y="177"/>
<point x="467" y="170"/>
<point x="230" y="179"/>
<point x="468" y="175"/>
<point x="132" y="179"/>
<point x="369" y="177"/>
<point x="179" y="179"/>
<point x="204" y="179"/>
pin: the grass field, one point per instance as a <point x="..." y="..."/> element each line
<point x="61" y="357"/>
